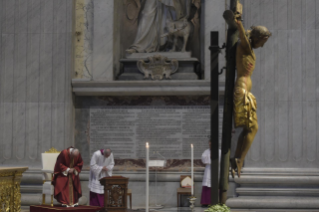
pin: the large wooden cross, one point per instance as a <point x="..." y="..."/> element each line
<point x="219" y="189"/>
<point x="232" y="39"/>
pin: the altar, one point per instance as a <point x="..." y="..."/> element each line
<point x="10" y="178"/>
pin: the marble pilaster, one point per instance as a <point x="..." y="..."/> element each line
<point x="35" y="73"/>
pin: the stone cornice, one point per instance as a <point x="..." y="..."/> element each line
<point x="142" y="88"/>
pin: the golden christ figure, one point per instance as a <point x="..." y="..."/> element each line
<point x="244" y="102"/>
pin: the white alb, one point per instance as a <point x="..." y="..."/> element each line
<point x="98" y="161"/>
<point x="206" y="160"/>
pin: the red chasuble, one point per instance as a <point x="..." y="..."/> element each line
<point x="67" y="189"/>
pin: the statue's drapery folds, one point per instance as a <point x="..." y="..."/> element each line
<point x="154" y="17"/>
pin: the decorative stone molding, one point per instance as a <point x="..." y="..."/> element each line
<point x="132" y="9"/>
<point x="142" y="88"/>
<point x="157" y="67"/>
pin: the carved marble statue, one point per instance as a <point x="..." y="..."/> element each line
<point x="159" y="21"/>
<point x="244" y="102"/>
<point x="181" y="28"/>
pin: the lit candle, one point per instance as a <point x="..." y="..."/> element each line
<point x="192" y="167"/>
<point x="147" y="177"/>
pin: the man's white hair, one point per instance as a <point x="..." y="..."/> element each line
<point x="74" y="150"/>
<point x="107" y="151"/>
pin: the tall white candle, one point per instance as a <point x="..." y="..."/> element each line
<point x="147" y="177"/>
<point x="192" y="167"/>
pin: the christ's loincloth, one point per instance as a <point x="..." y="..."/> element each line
<point x="245" y="107"/>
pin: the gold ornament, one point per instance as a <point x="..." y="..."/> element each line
<point x="52" y="150"/>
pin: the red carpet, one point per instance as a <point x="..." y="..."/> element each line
<point x="56" y="208"/>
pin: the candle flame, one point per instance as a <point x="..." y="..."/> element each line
<point x="192" y="145"/>
<point x="147" y="146"/>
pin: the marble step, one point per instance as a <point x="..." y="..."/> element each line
<point x="273" y="202"/>
<point x="277" y="191"/>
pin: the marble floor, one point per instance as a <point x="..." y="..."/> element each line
<point x="199" y="209"/>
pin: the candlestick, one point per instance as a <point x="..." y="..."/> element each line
<point x="192" y="203"/>
<point x="147" y="177"/>
<point x="192" y="167"/>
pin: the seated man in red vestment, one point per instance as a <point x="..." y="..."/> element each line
<point x="66" y="181"/>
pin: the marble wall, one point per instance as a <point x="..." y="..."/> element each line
<point x="285" y="83"/>
<point x="35" y="73"/>
<point x="83" y="122"/>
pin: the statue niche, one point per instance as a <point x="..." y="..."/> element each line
<point x="165" y="28"/>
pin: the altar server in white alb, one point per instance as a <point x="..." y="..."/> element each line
<point x="101" y="166"/>
<point x="205" y="201"/>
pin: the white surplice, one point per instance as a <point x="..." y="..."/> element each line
<point x="96" y="173"/>
<point x="206" y="160"/>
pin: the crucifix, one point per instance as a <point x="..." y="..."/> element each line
<point x="232" y="39"/>
<point x="239" y="103"/>
<point x="219" y="183"/>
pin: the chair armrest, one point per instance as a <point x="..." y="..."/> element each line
<point x="47" y="171"/>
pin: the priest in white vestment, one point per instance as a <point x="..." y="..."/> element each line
<point x="101" y="166"/>
<point x="205" y="200"/>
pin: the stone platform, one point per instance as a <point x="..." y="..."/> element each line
<point x="280" y="188"/>
<point x="55" y="208"/>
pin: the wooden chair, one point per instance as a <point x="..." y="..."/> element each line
<point x="181" y="190"/>
<point x="48" y="163"/>
<point x="129" y="194"/>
